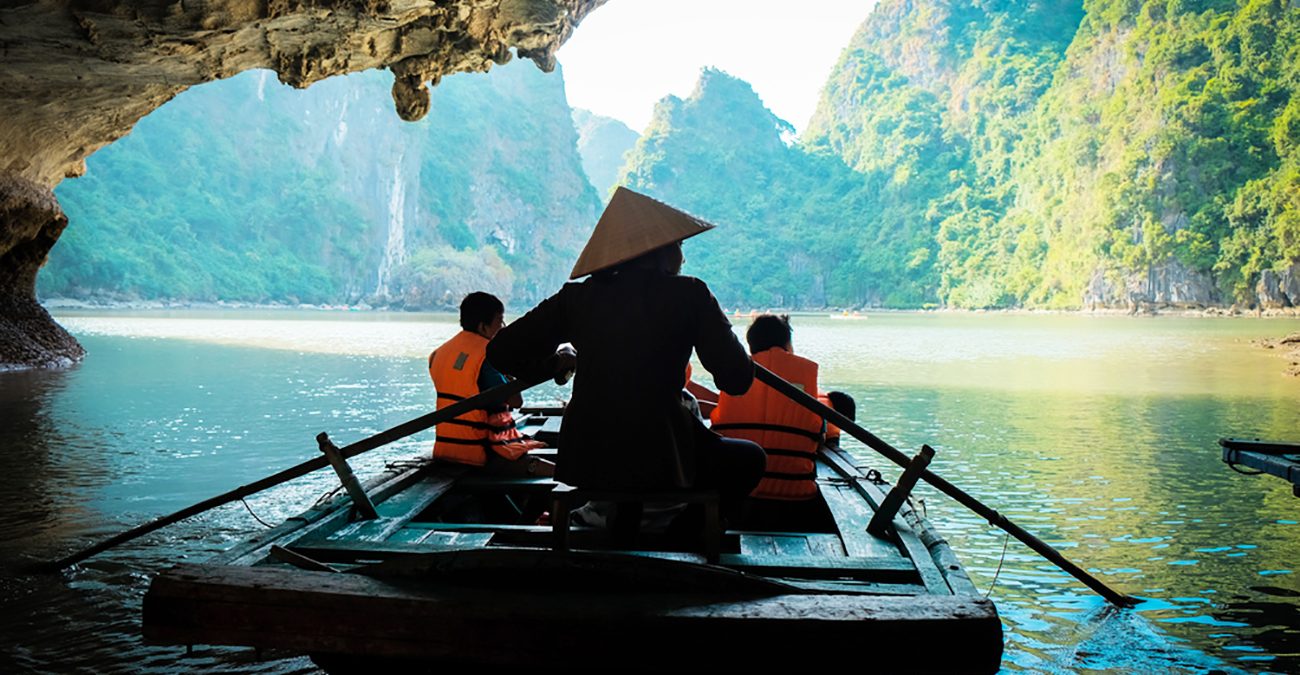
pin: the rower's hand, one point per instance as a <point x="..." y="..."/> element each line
<point x="565" y="362"/>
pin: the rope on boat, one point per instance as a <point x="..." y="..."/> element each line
<point x="254" y="515"/>
<point x="1001" y="560"/>
<point x="1242" y="471"/>
<point x="328" y="494"/>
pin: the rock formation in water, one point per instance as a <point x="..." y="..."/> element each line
<point x="79" y="74"/>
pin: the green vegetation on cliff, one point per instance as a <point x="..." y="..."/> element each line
<point x="795" y="228"/>
<point x="603" y="143"/>
<point x="245" y="190"/>
<point x="1010" y="153"/>
<point x="999" y="153"/>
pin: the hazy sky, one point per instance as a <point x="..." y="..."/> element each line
<point x="628" y="54"/>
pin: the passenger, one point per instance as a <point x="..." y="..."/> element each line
<point x="788" y="432"/>
<point x="459" y="369"/>
<point x="634" y="323"/>
<point x="843" y="404"/>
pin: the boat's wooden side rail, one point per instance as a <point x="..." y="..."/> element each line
<point x="1270" y="457"/>
<point x="333" y="513"/>
<point x="850" y="556"/>
<point x="854" y="499"/>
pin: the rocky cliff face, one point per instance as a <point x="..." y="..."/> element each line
<point x="349" y="203"/>
<point x="79" y="74"/>
<point x="603" y="143"/>
<point x="1069" y="153"/>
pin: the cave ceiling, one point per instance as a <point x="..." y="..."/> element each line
<point x="78" y="75"/>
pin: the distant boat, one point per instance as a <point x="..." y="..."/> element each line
<point x="849" y="315"/>
<point x="457" y="570"/>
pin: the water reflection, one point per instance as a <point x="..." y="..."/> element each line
<point x="1098" y="436"/>
<point x="1129" y="487"/>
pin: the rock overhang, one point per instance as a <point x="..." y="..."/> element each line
<point x="76" y="75"/>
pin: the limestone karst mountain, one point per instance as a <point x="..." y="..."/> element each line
<point x="603" y="143"/>
<point x="246" y="190"/>
<point x="78" y="75"/>
<point x="1133" y="153"/>
<point x="1017" y="153"/>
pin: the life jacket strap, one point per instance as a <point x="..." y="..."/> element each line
<point x="459" y="441"/>
<point x="777" y="475"/>
<point x="484" y="426"/>
<point x="761" y="426"/>
<point x="798" y="454"/>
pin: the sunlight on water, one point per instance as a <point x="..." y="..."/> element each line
<point x="1095" y="433"/>
<point x="362" y="334"/>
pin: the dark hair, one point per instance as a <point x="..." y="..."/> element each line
<point x="768" y="331"/>
<point x="477" y="308"/>
<point x="843" y="404"/>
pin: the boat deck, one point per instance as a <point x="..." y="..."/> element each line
<point x="457" y="557"/>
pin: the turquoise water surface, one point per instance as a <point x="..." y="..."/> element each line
<point x="1097" y="433"/>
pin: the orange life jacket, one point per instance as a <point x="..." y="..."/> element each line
<point x="788" y="432"/>
<point x="455" y="368"/>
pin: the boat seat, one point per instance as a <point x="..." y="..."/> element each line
<point x="565" y="498"/>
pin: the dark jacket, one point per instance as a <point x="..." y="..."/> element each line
<point x="626" y="426"/>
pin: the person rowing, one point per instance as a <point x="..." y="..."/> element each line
<point x="634" y="322"/>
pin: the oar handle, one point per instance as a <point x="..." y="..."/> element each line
<point x="891" y="453"/>
<point x="494" y="395"/>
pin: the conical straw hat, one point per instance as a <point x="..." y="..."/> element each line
<point x="633" y="224"/>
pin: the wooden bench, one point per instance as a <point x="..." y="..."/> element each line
<point x="565" y="498"/>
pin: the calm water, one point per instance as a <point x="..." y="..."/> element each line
<point x="1096" y="433"/>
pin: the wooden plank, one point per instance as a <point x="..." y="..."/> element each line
<point x="348" y="551"/>
<point x="1263" y="447"/>
<point x="836" y="464"/>
<point x="757" y="544"/>
<point x="896" y="568"/>
<point x="942" y="553"/>
<point x="397" y="511"/>
<point x="409" y="535"/>
<point x="853" y="586"/>
<point x="410" y="502"/>
<point x="481" y="527"/>
<point x="1285" y="467"/>
<point x="934" y="580"/>
<point x="299" y="560"/>
<point x="764" y="542"/>
<point x="825" y="545"/>
<point x="852" y="513"/>
<point x="297" y="610"/>
<point x="792" y="546"/>
<point x="457" y="540"/>
<point x="322" y="517"/>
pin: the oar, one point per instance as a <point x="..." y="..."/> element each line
<point x="493" y="395"/>
<point x="894" y="455"/>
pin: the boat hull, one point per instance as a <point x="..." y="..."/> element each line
<point x="407" y="619"/>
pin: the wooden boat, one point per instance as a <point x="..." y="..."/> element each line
<point x="1275" y="458"/>
<point x="455" y="570"/>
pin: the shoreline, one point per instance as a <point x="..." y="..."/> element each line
<point x="56" y="304"/>
<point x="1287" y="347"/>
